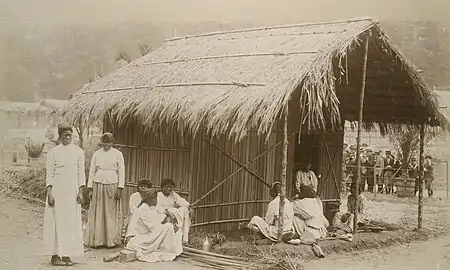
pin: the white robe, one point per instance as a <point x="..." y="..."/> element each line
<point x="267" y="226"/>
<point x="309" y="217"/>
<point x="135" y="200"/>
<point x="63" y="232"/>
<point x="180" y="208"/>
<point x="154" y="242"/>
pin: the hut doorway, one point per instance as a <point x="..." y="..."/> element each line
<point x="306" y="150"/>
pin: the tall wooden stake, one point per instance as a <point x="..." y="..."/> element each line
<point x="358" y="136"/>
<point x="420" y="202"/>
<point x="283" y="175"/>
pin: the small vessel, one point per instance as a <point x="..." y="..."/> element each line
<point x="206" y="245"/>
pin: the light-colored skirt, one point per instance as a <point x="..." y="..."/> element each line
<point x="105" y="217"/>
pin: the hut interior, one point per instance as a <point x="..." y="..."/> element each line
<point x="206" y="110"/>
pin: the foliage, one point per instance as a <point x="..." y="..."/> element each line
<point x="27" y="182"/>
<point x="406" y="141"/>
<point x="34" y="149"/>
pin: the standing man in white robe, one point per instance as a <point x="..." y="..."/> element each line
<point x="63" y="233"/>
<point x="171" y="201"/>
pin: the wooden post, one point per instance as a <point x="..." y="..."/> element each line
<point x="446" y="177"/>
<point x="358" y="136"/>
<point x="420" y="203"/>
<point x="284" y="161"/>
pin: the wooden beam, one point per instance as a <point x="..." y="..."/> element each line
<point x="283" y="177"/>
<point x="358" y="137"/>
<point x="420" y="202"/>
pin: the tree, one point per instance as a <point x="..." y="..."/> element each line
<point x="406" y="139"/>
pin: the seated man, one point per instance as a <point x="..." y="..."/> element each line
<point x="268" y="226"/>
<point x="156" y="239"/>
<point x="344" y="222"/>
<point x="308" y="214"/>
<point x="134" y="203"/>
<point x="174" y="203"/>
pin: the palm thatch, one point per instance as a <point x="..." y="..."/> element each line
<point x="231" y="82"/>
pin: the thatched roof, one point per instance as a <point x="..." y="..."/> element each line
<point x="234" y="81"/>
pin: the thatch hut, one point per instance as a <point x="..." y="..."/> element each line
<point x="207" y="110"/>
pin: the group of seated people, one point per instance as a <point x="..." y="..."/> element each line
<point x="303" y="218"/>
<point x="159" y="222"/>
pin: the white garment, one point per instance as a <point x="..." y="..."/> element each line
<point x="135" y="200"/>
<point x="154" y="242"/>
<point x="310" y="212"/>
<point x="267" y="226"/>
<point x="107" y="167"/>
<point x="63" y="232"/>
<point x="180" y="208"/>
<point x="306" y="178"/>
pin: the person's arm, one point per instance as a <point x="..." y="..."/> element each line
<point x="92" y="170"/>
<point x="50" y="169"/>
<point x="81" y="170"/>
<point x="180" y="201"/>
<point x="121" y="169"/>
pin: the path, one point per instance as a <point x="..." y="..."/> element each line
<point x="431" y="255"/>
<point x="21" y="240"/>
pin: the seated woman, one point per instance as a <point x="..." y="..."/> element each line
<point x="134" y="203"/>
<point x="172" y="202"/>
<point x="306" y="177"/>
<point x="268" y="226"/>
<point x="345" y="221"/>
<point x="308" y="214"/>
<point x="156" y="239"/>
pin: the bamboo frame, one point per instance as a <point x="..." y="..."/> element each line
<point x="269" y="28"/>
<point x="283" y="177"/>
<point x="229" y="204"/>
<point x="420" y="200"/>
<point x="283" y="35"/>
<point x="332" y="163"/>
<point x="220" y="222"/>
<point x="238" y="170"/>
<point x="151" y="148"/>
<point x="226" y="56"/>
<point x="358" y="137"/>
<point x="237" y="162"/>
<point x="142" y="87"/>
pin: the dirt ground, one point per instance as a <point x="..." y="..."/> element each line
<point x="433" y="255"/>
<point x="21" y="242"/>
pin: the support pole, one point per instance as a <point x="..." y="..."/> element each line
<point x="420" y="202"/>
<point x="446" y="177"/>
<point x="358" y="136"/>
<point x="283" y="174"/>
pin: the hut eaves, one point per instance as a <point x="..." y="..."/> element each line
<point x="234" y="81"/>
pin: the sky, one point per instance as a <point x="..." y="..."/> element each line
<point x="101" y="11"/>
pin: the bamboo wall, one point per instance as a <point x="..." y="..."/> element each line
<point x="197" y="166"/>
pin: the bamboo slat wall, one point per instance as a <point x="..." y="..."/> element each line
<point x="197" y="166"/>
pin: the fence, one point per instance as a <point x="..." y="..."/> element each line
<point x="440" y="184"/>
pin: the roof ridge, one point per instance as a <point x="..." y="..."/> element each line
<point x="268" y="28"/>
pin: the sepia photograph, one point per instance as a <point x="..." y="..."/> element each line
<point x="208" y="134"/>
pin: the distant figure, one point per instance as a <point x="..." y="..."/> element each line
<point x="428" y="175"/>
<point x="378" y="171"/>
<point x="413" y="172"/>
<point x="63" y="232"/>
<point x="106" y="182"/>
